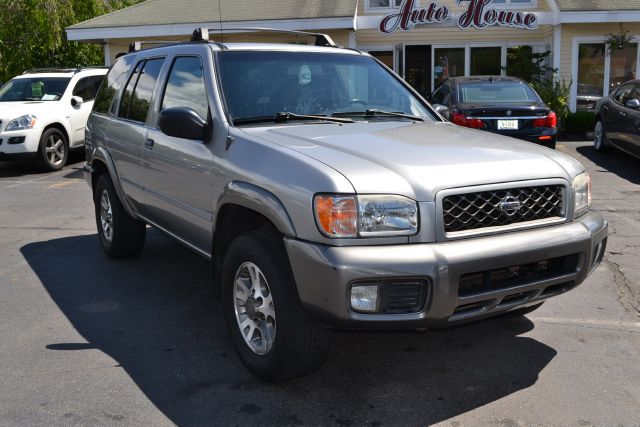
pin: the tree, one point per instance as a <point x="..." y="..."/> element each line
<point x="32" y="33"/>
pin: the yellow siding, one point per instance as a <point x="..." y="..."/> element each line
<point x="430" y="34"/>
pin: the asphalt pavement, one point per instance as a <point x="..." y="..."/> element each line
<point x="85" y="340"/>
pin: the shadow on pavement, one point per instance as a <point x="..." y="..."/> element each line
<point x="157" y="317"/>
<point x="615" y="161"/>
<point x="14" y="169"/>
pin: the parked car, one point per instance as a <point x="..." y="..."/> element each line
<point x="43" y="114"/>
<point x="503" y="105"/>
<point x="327" y="193"/>
<point x="618" y="120"/>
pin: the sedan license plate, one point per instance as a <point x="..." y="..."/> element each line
<point x="507" y="125"/>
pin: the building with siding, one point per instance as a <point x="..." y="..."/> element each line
<point x="422" y="40"/>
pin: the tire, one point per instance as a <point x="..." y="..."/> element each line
<point x="120" y="235"/>
<point x="600" y="141"/>
<point x="290" y="348"/>
<point x="519" y="312"/>
<point x="53" y="150"/>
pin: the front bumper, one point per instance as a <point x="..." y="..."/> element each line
<point x="27" y="148"/>
<point x="324" y="274"/>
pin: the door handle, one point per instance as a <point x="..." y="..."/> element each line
<point x="148" y="144"/>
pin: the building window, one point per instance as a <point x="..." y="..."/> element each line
<point x="384" y="56"/>
<point x="514" y="3"/>
<point x="600" y="73"/>
<point x="448" y="62"/>
<point x="485" y="61"/>
<point x="384" y="4"/>
<point x="623" y="66"/>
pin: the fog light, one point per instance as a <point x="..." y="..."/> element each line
<point x="16" y="140"/>
<point x="364" y="298"/>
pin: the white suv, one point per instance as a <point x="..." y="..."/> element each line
<point x="43" y="114"/>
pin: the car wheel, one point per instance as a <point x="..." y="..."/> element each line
<point x="519" y="312"/>
<point x="53" y="150"/>
<point x="120" y="235"/>
<point x="600" y="137"/>
<point x="270" y="331"/>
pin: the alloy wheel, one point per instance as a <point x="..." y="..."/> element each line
<point x="254" y="309"/>
<point x="106" y="216"/>
<point x="55" y="150"/>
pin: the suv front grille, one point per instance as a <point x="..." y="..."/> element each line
<point x="496" y="208"/>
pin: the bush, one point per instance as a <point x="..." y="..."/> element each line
<point x="580" y="122"/>
<point x="556" y="95"/>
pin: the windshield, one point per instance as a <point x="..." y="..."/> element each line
<point x="497" y="93"/>
<point x="34" y="89"/>
<point x="263" y="84"/>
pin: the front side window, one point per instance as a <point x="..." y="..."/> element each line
<point x="497" y="93"/>
<point x="34" y="89"/>
<point x="84" y="89"/>
<point x="263" y="84"/>
<point x="441" y="96"/>
<point x="624" y="94"/>
<point x="186" y="87"/>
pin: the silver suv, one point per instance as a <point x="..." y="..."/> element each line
<point x="328" y="194"/>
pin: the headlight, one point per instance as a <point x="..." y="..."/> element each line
<point x="582" y="193"/>
<point x="345" y="216"/>
<point x="21" y="123"/>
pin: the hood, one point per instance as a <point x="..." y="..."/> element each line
<point x="418" y="160"/>
<point x="13" y="110"/>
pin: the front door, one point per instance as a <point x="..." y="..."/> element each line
<point x="80" y="113"/>
<point x="178" y="171"/>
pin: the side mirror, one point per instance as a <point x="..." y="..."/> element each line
<point x="182" y="122"/>
<point x="443" y="110"/>
<point x="632" y="103"/>
<point x="76" y="101"/>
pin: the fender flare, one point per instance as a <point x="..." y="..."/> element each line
<point x="102" y="155"/>
<point x="259" y="200"/>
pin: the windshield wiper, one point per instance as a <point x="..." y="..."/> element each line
<point x="374" y="112"/>
<point x="286" y="116"/>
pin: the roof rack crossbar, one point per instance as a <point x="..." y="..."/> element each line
<point x="202" y="34"/>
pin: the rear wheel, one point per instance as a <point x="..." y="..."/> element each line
<point x="600" y="142"/>
<point x="120" y="235"/>
<point x="270" y="331"/>
<point x="53" y="150"/>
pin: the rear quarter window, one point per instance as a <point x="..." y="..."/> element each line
<point x="114" y="80"/>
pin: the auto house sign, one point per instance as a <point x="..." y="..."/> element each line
<point x="479" y="14"/>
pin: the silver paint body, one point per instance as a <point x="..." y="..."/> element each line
<point x="180" y="186"/>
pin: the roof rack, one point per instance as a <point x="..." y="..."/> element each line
<point x="202" y="34"/>
<point x="61" y="70"/>
<point x="137" y="46"/>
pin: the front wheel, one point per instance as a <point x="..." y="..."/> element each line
<point x="53" y="150"/>
<point x="600" y="138"/>
<point x="271" y="333"/>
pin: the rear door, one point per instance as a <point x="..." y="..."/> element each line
<point x="129" y="131"/>
<point x="177" y="172"/>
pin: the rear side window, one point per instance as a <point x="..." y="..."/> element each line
<point x="135" y="104"/>
<point x="84" y="89"/>
<point x="115" y="79"/>
<point x="186" y="87"/>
